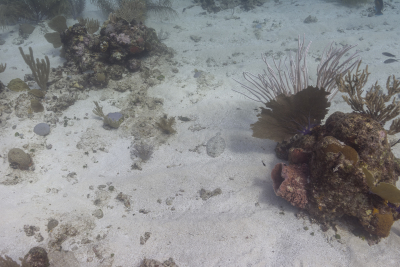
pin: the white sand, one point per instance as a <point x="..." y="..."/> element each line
<point x="246" y="225"/>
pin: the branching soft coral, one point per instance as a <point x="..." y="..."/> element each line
<point x="374" y="102"/>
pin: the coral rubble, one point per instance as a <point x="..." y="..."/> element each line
<point x="120" y="44"/>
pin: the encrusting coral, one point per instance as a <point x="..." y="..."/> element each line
<point x="289" y="182"/>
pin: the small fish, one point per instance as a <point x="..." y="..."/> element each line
<point x="378" y="7"/>
<point x="390" y="60"/>
<point x="388" y="54"/>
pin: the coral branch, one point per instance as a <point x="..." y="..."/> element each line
<point x="375" y="100"/>
<point x="40" y="69"/>
<point x="294" y="77"/>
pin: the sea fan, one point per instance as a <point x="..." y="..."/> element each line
<point x="288" y="115"/>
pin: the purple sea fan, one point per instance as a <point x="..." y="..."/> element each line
<point x="123" y="38"/>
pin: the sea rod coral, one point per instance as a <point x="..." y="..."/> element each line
<point x="291" y="105"/>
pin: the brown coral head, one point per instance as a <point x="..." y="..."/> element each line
<point x="289" y="182"/>
<point x="36" y="257"/>
<point x="382" y="224"/>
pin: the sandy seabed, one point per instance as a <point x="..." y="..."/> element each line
<point x="162" y="214"/>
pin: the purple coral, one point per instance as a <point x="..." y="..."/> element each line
<point x="80" y="49"/>
<point x="86" y="41"/>
<point x="123" y="38"/>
